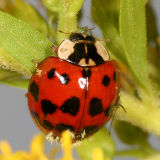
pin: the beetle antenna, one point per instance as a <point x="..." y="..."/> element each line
<point x="104" y="40"/>
<point x="64" y="32"/>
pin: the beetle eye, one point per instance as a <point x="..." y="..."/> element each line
<point x="65" y="49"/>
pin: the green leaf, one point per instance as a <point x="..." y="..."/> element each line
<point x="102" y="140"/>
<point x="6" y="74"/>
<point x="13" y="79"/>
<point x="52" y="30"/>
<point x="133" y="37"/>
<point x="105" y="14"/>
<point x="139" y="112"/>
<point x="72" y="7"/>
<point x="21" y="45"/>
<point x="125" y="131"/>
<point x="18" y="83"/>
<point x="52" y="5"/>
<point x="152" y="32"/>
<point x="16" y="8"/>
<point x="152" y="157"/>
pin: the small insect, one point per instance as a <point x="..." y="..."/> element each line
<point x="75" y="91"/>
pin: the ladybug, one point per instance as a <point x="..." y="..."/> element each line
<point x="75" y="91"/>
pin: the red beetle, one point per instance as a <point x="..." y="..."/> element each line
<point x="76" y="91"/>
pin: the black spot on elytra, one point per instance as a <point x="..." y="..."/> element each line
<point x="106" y="80"/>
<point x="64" y="78"/>
<point x="62" y="127"/>
<point x="50" y="74"/>
<point x="91" y="129"/>
<point x="34" y="90"/>
<point x="71" y="106"/>
<point x="48" y="107"/>
<point x="115" y="76"/>
<point x="95" y="107"/>
<point x="76" y="37"/>
<point x="47" y="125"/>
<point x="86" y="72"/>
<point x="109" y="110"/>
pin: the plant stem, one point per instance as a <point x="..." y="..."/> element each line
<point x="144" y="114"/>
<point x="68" y="18"/>
<point x="140" y="152"/>
<point x="66" y="24"/>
